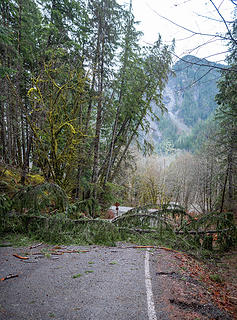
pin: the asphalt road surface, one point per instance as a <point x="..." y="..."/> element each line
<point x="121" y="210"/>
<point x="103" y="283"/>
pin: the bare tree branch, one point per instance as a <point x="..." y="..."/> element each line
<point x="189" y="30"/>
<point x="184" y="38"/>
<point x="203" y="44"/>
<point x="210" y="18"/>
<point x="180" y="4"/>
<point x="216" y="54"/>
<point x="233" y="2"/>
<point x="223" y="19"/>
<point x="196" y="81"/>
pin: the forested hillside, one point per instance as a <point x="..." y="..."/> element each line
<point x="195" y="87"/>
<point x="190" y="99"/>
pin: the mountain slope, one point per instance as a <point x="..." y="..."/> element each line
<point x="190" y="99"/>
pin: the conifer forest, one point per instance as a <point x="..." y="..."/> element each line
<point x="78" y="96"/>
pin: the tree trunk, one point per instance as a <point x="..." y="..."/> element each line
<point x="230" y="178"/>
<point x="224" y="188"/>
<point x="100" y="60"/>
<point x="123" y="76"/>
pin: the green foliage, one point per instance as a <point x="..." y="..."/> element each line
<point x="35" y="179"/>
<point x="5" y="204"/>
<point x="216" y="278"/>
<point x="87" y="207"/>
<point x="9" y="178"/>
<point x="57" y="140"/>
<point x="110" y="194"/>
<point x="168" y="130"/>
<point x="79" y="88"/>
<point x="193" y="88"/>
<point x="15" y="239"/>
<point x="42" y="198"/>
<point x="78" y="275"/>
<point x="201" y="132"/>
<point x="170" y="227"/>
<point x="58" y="229"/>
<point x="166" y="147"/>
<point x="224" y="225"/>
<point x="226" y="118"/>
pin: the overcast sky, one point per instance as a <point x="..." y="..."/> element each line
<point x="196" y="15"/>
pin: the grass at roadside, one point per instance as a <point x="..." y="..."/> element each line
<point x="16" y="240"/>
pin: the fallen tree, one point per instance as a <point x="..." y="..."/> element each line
<point x="177" y="229"/>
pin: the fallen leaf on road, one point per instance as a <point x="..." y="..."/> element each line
<point x="77" y="276"/>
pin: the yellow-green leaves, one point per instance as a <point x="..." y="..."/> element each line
<point x="57" y="99"/>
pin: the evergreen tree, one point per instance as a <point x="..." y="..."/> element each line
<point x="76" y="90"/>
<point x="226" y="117"/>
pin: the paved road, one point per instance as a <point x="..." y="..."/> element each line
<point x="122" y="210"/>
<point x="110" y="285"/>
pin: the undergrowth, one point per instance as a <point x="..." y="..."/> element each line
<point x="58" y="229"/>
<point x="43" y="212"/>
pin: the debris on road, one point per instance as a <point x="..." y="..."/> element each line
<point x="36" y="245"/>
<point x="9" y="277"/>
<point x="20" y="257"/>
<point x="140" y="247"/>
<point x="76" y="275"/>
<point x="56" y="253"/>
<point x="172" y="250"/>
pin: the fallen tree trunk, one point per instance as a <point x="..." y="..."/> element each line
<point x="137" y="230"/>
<point x="176" y="232"/>
<point x="202" y="232"/>
<point x="152" y="216"/>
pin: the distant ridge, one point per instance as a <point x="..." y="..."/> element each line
<point x="189" y="97"/>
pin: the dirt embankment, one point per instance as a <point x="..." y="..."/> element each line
<point x="193" y="290"/>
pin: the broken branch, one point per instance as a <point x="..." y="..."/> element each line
<point x="20" y="257"/>
<point x="37" y="245"/>
<point x="9" y="277"/>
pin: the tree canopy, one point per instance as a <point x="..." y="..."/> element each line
<point x="76" y="88"/>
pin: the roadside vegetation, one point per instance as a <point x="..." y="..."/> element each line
<point x="43" y="212"/>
